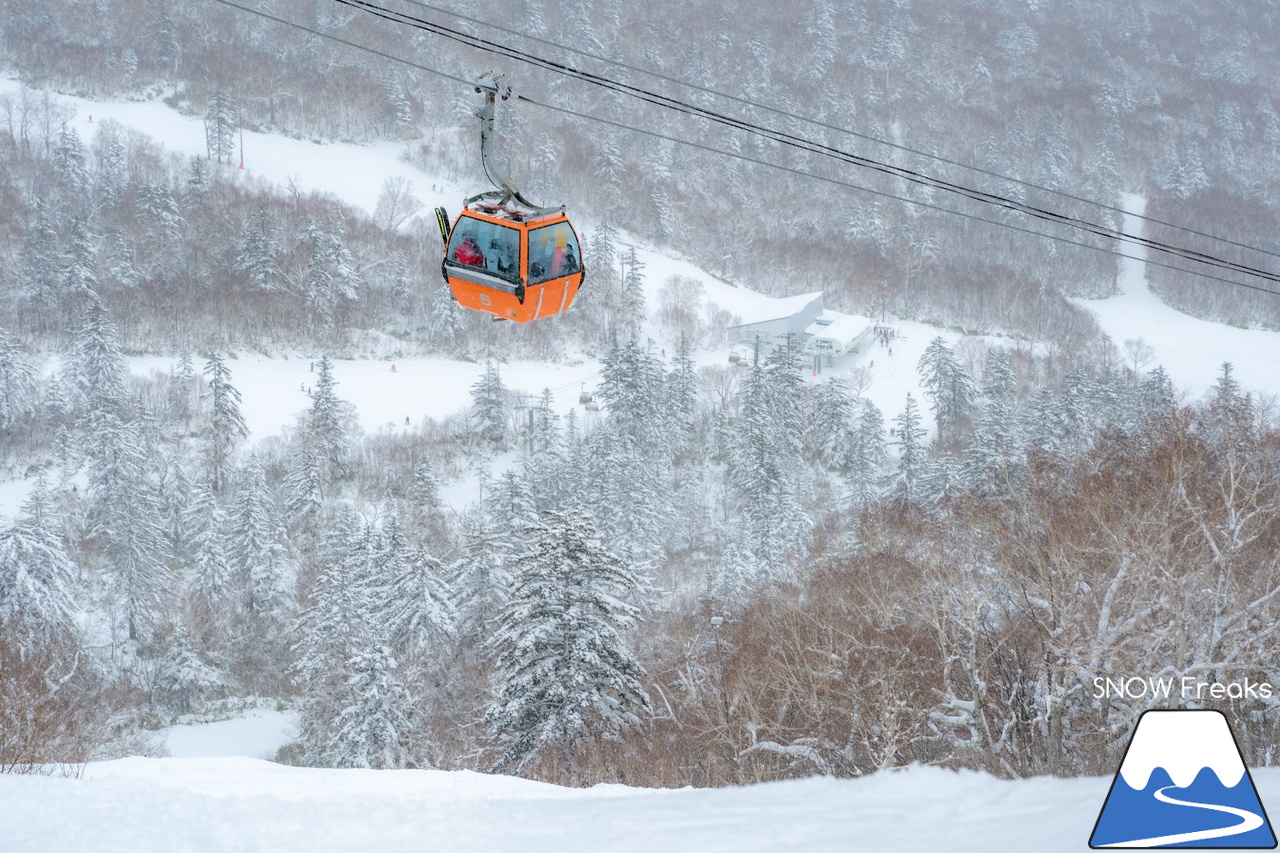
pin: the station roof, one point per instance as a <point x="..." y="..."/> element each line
<point x="845" y="328"/>
<point x="778" y="309"/>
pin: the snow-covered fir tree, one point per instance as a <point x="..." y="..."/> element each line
<point x="127" y="521"/>
<point x="330" y="633"/>
<point x="96" y="363"/>
<point x="996" y="459"/>
<point x="254" y="548"/>
<point x="184" y="678"/>
<point x="332" y="279"/>
<point x="633" y="390"/>
<point x="220" y="126"/>
<point x="207" y="542"/>
<point x="40" y="259"/>
<point x="866" y="452"/>
<point x="512" y="510"/>
<point x="19" y="392"/>
<point x="563" y="666"/>
<point x="489" y="402"/>
<point x="226" y="423"/>
<point x="479" y="578"/>
<point x="69" y="165"/>
<point x="947" y="385"/>
<point x="158" y="212"/>
<point x="413" y="606"/>
<point x="912" y="453"/>
<point x="304" y="485"/>
<point x="113" y="174"/>
<point x="372" y="729"/>
<point x="258" y="254"/>
<point x="38" y="589"/>
<point x="327" y="423"/>
<point x="682" y="397"/>
<point x="633" y="307"/>
<point x="830" y="423"/>
<point x="766" y="474"/>
<point x="78" y="275"/>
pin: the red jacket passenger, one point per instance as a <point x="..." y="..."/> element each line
<point x="469" y="253"/>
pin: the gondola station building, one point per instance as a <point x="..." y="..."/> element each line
<point x="823" y="335"/>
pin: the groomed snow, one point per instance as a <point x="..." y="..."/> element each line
<point x="142" y="805"/>
<point x="1191" y="350"/>
<point x="254" y="733"/>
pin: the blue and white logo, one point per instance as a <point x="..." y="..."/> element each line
<point x="1183" y="783"/>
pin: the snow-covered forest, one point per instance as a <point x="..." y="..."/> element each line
<point x="732" y="574"/>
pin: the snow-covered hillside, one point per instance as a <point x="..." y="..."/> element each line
<point x="1191" y="350"/>
<point x="199" y="801"/>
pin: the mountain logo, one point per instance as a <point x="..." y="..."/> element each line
<point x="1183" y="783"/>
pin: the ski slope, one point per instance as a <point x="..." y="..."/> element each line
<point x="142" y="805"/>
<point x="1191" y="350"/>
<point x="216" y="794"/>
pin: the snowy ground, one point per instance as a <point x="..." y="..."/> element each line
<point x="1191" y="350"/>
<point x="253" y="733"/>
<point x="219" y="804"/>
<point x="215" y="795"/>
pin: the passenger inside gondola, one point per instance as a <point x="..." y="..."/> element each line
<point x="552" y="253"/>
<point x="468" y="252"/>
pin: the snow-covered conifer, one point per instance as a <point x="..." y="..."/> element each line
<point x="206" y="539"/>
<point x="39" y="260"/>
<point x="996" y="460"/>
<point x="220" y="125"/>
<point x="830" y="424"/>
<point x="445" y="319"/>
<point x="866" y="452"/>
<point x="37" y="578"/>
<point x="198" y="182"/>
<point x="113" y="175"/>
<point x="766" y="465"/>
<point x="226" y="424"/>
<point x="634" y="307"/>
<point x="414" y="608"/>
<point x="632" y="387"/>
<point x="563" y="665"/>
<point x="127" y="517"/>
<point x="328" y="422"/>
<point x="159" y="212"/>
<point x="330" y="633"/>
<point x="682" y="397"/>
<point x="480" y="578"/>
<point x="304" y="482"/>
<point x="254" y="548"/>
<point x="97" y="361"/>
<point x="948" y="386"/>
<point x="182" y="390"/>
<point x="489" y="399"/>
<point x="372" y="728"/>
<point x="258" y="254"/>
<point x="69" y="165"/>
<point x="184" y="678"/>
<point x="912" y="453"/>
<point x="19" y="394"/>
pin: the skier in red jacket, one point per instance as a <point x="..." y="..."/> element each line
<point x="469" y="252"/>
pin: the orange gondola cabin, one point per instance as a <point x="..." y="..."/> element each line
<point x="516" y="264"/>
<point x="504" y="255"/>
